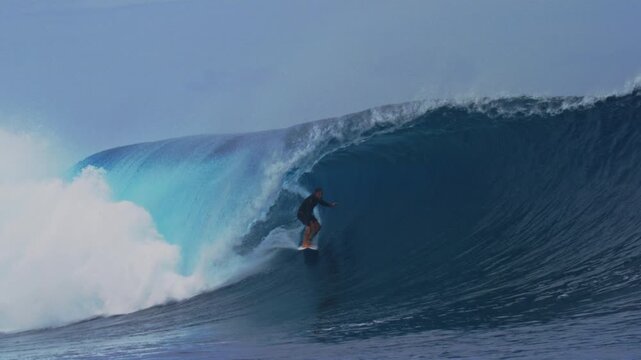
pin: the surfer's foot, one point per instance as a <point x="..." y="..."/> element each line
<point x="307" y="244"/>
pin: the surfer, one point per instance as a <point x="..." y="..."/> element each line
<point x="306" y="215"/>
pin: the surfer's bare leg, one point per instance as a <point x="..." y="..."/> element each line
<point x="307" y="237"/>
<point x="315" y="228"/>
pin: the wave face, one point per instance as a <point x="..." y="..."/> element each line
<point x="466" y="218"/>
<point x="498" y="213"/>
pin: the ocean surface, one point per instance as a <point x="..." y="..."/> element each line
<point x="502" y="228"/>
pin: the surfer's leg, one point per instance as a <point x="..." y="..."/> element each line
<point x="307" y="237"/>
<point x="315" y="228"/>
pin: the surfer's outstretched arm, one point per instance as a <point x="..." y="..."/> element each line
<point x="327" y="204"/>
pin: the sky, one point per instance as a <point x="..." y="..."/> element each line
<point x="100" y="74"/>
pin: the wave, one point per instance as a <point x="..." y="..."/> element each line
<point x="451" y="214"/>
<point x="471" y="218"/>
<point x="514" y="210"/>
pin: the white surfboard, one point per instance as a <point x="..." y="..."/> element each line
<point x="313" y="247"/>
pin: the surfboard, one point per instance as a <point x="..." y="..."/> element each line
<point x="313" y="247"/>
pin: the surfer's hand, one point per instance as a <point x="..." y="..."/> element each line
<point x="334" y="204"/>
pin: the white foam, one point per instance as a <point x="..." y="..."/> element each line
<point x="280" y="238"/>
<point x="69" y="252"/>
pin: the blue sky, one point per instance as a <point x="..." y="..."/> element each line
<point x="104" y="73"/>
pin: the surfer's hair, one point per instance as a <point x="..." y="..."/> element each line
<point x="318" y="189"/>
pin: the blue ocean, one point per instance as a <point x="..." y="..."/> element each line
<point x="504" y="228"/>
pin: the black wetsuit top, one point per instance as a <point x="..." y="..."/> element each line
<point x="306" y="209"/>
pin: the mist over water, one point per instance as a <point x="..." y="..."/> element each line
<point x="69" y="250"/>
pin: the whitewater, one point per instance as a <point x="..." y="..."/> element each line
<point x="493" y="228"/>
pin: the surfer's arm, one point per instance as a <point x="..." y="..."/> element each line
<point x="325" y="203"/>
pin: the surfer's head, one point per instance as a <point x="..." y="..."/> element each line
<point x="318" y="192"/>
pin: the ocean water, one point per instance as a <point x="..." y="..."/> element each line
<point x="499" y="228"/>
